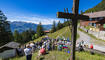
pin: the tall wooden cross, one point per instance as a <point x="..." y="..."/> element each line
<point x="74" y="16"/>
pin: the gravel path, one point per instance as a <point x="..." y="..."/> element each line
<point x="83" y="37"/>
<point x="88" y="40"/>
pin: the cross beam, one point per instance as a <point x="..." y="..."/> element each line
<point x="74" y="16"/>
<point x="71" y="16"/>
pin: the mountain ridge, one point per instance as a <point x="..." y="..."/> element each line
<point x="23" y="26"/>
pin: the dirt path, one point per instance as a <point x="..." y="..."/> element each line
<point x="88" y="40"/>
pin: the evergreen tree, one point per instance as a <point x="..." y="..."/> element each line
<point x="17" y="37"/>
<point x="23" y="37"/>
<point x="64" y="23"/>
<point x="59" y="25"/>
<point x="5" y="31"/>
<point x="53" y="27"/>
<point x="39" y="30"/>
<point x="31" y="33"/>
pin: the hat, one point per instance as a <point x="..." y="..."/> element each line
<point x="27" y="45"/>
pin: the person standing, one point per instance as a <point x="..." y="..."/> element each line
<point x="32" y="45"/>
<point x="28" y="52"/>
<point x="19" y="50"/>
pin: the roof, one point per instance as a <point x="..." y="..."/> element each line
<point x="10" y="45"/>
<point x="47" y="31"/>
<point x="95" y="14"/>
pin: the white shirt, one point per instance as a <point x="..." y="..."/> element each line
<point x="27" y="51"/>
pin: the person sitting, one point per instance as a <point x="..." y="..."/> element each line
<point x="80" y="47"/>
<point x="42" y="51"/>
<point x="91" y="47"/>
<point x="48" y="46"/>
<point x="82" y="42"/>
<point x="60" y="47"/>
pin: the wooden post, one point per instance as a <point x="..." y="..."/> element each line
<point x="74" y="28"/>
<point x="74" y="16"/>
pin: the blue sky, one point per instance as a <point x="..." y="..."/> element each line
<point x="36" y="11"/>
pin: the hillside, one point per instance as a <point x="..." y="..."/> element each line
<point x="99" y="7"/>
<point x="22" y="26"/>
<point x="60" y="55"/>
<point x="64" y="32"/>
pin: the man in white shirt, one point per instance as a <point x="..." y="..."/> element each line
<point x="28" y="52"/>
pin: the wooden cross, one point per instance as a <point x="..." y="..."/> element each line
<point x="74" y="16"/>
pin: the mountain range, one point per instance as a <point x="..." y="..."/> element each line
<point x="22" y="26"/>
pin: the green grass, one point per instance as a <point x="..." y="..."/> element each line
<point x="59" y="55"/>
<point x="62" y="32"/>
<point x="88" y="56"/>
<point x="55" y="34"/>
<point x="52" y="55"/>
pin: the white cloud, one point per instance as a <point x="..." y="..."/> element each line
<point x="33" y="19"/>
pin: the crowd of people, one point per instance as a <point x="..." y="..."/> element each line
<point x="45" y="45"/>
<point x="83" y="44"/>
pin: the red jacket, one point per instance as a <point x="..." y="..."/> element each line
<point x="91" y="46"/>
<point x="42" y="51"/>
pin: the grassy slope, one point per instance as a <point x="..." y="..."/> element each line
<point x="98" y="7"/>
<point x="62" y="32"/>
<point x="57" y="55"/>
<point x="58" y="33"/>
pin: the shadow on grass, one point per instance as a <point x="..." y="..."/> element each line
<point x="42" y="58"/>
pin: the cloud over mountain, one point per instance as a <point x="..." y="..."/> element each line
<point x="32" y="19"/>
